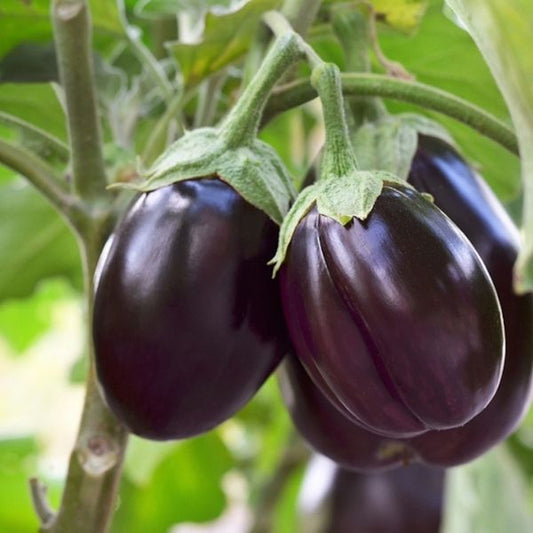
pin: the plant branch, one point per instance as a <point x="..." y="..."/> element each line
<point x="95" y="463"/>
<point x="301" y="91"/>
<point x="39" y="498"/>
<point x="43" y="177"/>
<point x="51" y="142"/>
<point x="72" y="32"/>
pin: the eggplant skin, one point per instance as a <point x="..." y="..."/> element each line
<point x="395" y="316"/>
<point x="406" y="500"/>
<point x="187" y="321"/>
<point x="439" y="170"/>
<point x="328" y="431"/>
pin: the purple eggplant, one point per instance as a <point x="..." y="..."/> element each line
<point x="405" y="500"/>
<point x="187" y="320"/>
<point x="395" y="317"/>
<point x="439" y="170"/>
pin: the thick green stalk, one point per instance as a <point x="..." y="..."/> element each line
<point x="95" y="464"/>
<point x="72" y="33"/>
<point x="301" y="91"/>
<point x="339" y="157"/>
<point x="243" y="120"/>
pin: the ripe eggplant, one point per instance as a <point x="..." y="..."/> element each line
<point x="406" y="500"/>
<point x="439" y="170"/>
<point x="187" y="320"/>
<point x="395" y="316"/>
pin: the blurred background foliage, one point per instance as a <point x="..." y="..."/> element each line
<point x="224" y="475"/>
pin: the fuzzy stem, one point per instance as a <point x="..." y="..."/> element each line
<point x="241" y="125"/>
<point x="301" y="91"/>
<point x="72" y="32"/>
<point x="339" y="157"/>
<point x="95" y="464"/>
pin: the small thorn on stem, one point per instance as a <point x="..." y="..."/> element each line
<point x="40" y="501"/>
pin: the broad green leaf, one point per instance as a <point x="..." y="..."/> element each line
<point x="30" y="21"/>
<point x="183" y="486"/>
<point x="22" y="321"/>
<point x="444" y="55"/>
<point x="18" y="461"/>
<point x="226" y="38"/>
<point x="404" y="15"/>
<point x="36" y="104"/>
<point x="502" y="31"/>
<point x="35" y="241"/>
<point x="488" y="495"/>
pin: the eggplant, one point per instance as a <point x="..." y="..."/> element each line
<point x="394" y="317"/>
<point x="405" y="500"/>
<point x="187" y="321"/>
<point x="440" y="171"/>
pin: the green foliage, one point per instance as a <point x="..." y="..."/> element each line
<point x="225" y="39"/>
<point x="487" y="496"/>
<point x="164" y="484"/>
<point x="37" y="243"/>
<point x="29" y="22"/>
<point x="18" y="457"/>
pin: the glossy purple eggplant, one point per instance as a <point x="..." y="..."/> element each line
<point x="396" y="316"/>
<point x="187" y="320"/>
<point x="328" y="431"/>
<point x="439" y="170"/>
<point x="405" y="500"/>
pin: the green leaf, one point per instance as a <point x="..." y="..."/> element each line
<point x="404" y="15"/>
<point x="30" y="22"/>
<point x="184" y="485"/>
<point x="23" y="321"/>
<point x="226" y="38"/>
<point x="502" y="31"/>
<point x="18" y="458"/>
<point x="36" y="104"/>
<point x="36" y="242"/>
<point x="443" y="54"/>
<point x="389" y="144"/>
<point x="488" y="495"/>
